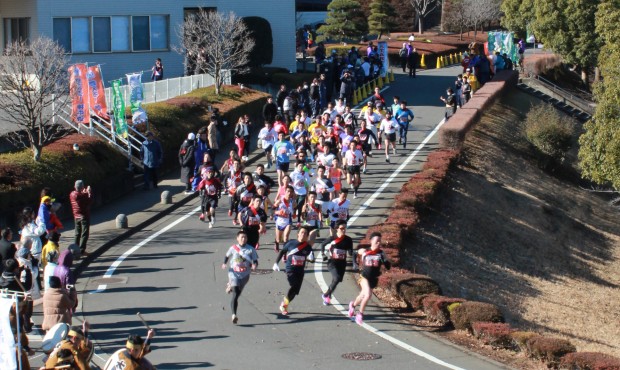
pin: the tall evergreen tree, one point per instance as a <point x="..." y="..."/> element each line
<point x="517" y="15"/>
<point x="345" y="19"/>
<point x="567" y="27"/>
<point x="382" y="16"/>
<point x="599" y="150"/>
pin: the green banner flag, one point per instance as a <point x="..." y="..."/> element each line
<point x="119" y="109"/>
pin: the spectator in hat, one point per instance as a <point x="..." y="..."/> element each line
<point x="78" y="345"/>
<point x="81" y="199"/>
<point x="152" y="156"/>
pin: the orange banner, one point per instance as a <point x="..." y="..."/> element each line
<point x="96" y="92"/>
<point x="78" y="89"/>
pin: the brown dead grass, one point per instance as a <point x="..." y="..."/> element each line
<point x="506" y="232"/>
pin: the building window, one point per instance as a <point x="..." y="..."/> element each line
<point x="16" y="29"/>
<point x="112" y="34"/>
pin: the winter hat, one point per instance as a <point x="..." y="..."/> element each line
<point x="46" y="198"/>
<point x="191" y="136"/>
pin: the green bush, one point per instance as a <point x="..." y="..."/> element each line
<point x="260" y="30"/>
<point x="468" y="313"/>
<point x="549" y="131"/>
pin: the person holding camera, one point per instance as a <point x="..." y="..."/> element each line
<point x="81" y="199"/>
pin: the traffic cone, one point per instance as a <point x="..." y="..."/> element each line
<point x="450" y="60"/>
<point x="355" y="101"/>
<point x="365" y="90"/>
<point x="391" y="75"/>
<point x="438" y="62"/>
<point x="380" y="82"/>
<point x="374" y="86"/>
<point x="453" y="58"/>
<point x="422" y="62"/>
<point x="460" y="57"/>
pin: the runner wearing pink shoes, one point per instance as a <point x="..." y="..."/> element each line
<point x="371" y="261"/>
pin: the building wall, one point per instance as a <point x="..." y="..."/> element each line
<point x="280" y="13"/>
<point x="18" y="9"/>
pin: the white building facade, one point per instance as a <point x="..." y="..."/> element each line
<point x="128" y="35"/>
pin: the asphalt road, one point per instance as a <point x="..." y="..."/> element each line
<point x="170" y="272"/>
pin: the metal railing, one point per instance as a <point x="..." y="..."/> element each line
<point x="153" y="92"/>
<point x="566" y="96"/>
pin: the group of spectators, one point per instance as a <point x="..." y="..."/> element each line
<point x="478" y="69"/>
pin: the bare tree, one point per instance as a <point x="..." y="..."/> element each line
<point x="423" y="8"/>
<point x="33" y="88"/>
<point x="480" y="11"/>
<point x="217" y="42"/>
<point x="454" y="16"/>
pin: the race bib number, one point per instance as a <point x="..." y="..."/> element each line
<point x="297" y="260"/>
<point x="239" y="267"/>
<point x="339" y="254"/>
<point x="371" y="261"/>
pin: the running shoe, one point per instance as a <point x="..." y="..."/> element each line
<point x="234" y="319"/>
<point x="387" y="159"/>
<point x="359" y="318"/>
<point x="201" y="217"/>
<point x="235" y="222"/>
<point x="364" y="171"/>
<point x="400" y="140"/>
<point x="351" y="309"/>
<point x="213" y="219"/>
<point x="355" y="194"/>
<point x="188" y="192"/>
<point x="326" y="300"/>
<point x="351" y="185"/>
<point x="210" y="225"/>
<point x="284" y="307"/>
<point x="393" y="151"/>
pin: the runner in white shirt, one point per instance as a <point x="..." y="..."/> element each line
<point x="338" y="210"/>
<point x="300" y="181"/>
<point x="353" y="159"/>
<point x="373" y="118"/>
<point x="389" y="127"/>
<point x="268" y="136"/>
<point x="339" y="108"/>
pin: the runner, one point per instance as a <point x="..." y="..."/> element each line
<point x="244" y="194"/>
<point x="283" y="216"/>
<point x="389" y="127"/>
<point x="234" y="180"/>
<point x="282" y="149"/>
<point x="297" y="253"/>
<point x="228" y="164"/>
<point x="370" y="263"/>
<point x="268" y="136"/>
<point x="210" y="192"/>
<point x="265" y="203"/>
<point x="336" y="175"/>
<point x="242" y="258"/>
<point x="312" y="215"/>
<point x="353" y="159"/>
<point x="372" y="118"/>
<point x="338" y="211"/>
<point x="253" y="219"/>
<point x="336" y="257"/>
<point x="322" y="186"/>
<point x="365" y="134"/>
<point x="261" y="179"/>
<point x="404" y="116"/>
<point x="300" y="181"/>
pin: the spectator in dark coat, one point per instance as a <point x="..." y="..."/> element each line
<point x="270" y="109"/>
<point x="152" y="156"/>
<point x="7" y="248"/>
<point x="187" y="161"/>
<point x="346" y="87"/>
<point x="201" y="146"/>
<point x="412" y="61"/>
<point x="280" y="96"/>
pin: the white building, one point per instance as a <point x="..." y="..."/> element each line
<point x="127" y="35"/>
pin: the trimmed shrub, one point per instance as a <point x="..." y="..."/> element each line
<point x="520" y="338"/>
<point x="260" y="31"/>
<point x="412" y="287"/>
<point x="469" y="312"/>
<point x="437" y="309"/>
<point x="589" y="361"/>
<point x="549" y="131"/>
<point x="494" y="334"/>
<point x="548" y="349"/>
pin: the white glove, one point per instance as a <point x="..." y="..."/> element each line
<point x="276" y="267"/>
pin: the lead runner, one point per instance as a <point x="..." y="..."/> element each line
<point x="243" y="259"/>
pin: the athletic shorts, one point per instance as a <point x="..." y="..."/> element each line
<point x="268" y="149"/>
<point x="209" y="202"/>
<point x="253" y="236"/>
<point x="366" y="148"/>
<point x="372" y="281"/>
<point x="282" y="166"/>
<point x="282" y="228"/>
<point x="295" y="279"/>
<point x="337" y="268"/>
<point x="352" y="170"/>
<point x="391" y="137"/>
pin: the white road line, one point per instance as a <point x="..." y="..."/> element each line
<point x="318" y="267"/>
<point x="121" y="258"/>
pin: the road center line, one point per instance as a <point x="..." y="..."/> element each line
<point x="318" y="266"/>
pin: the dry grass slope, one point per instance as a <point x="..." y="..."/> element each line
<point x="508" y="233"/>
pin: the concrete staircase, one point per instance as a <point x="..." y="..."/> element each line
<point x="570" y="104"/>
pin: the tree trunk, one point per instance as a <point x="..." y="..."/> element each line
<point x="584" y="76"/>
<point x="36" y="152"/>
<point x="597" y="74"/>
<point x="421" y="25"/>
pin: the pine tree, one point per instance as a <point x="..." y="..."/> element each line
<point x="599" y="150"/>
<point x="381" y="19"/>
<point x="345" y="20"/>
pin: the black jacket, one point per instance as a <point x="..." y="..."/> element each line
<point x="187" y="160"/>
<point x="270" y="111"/>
